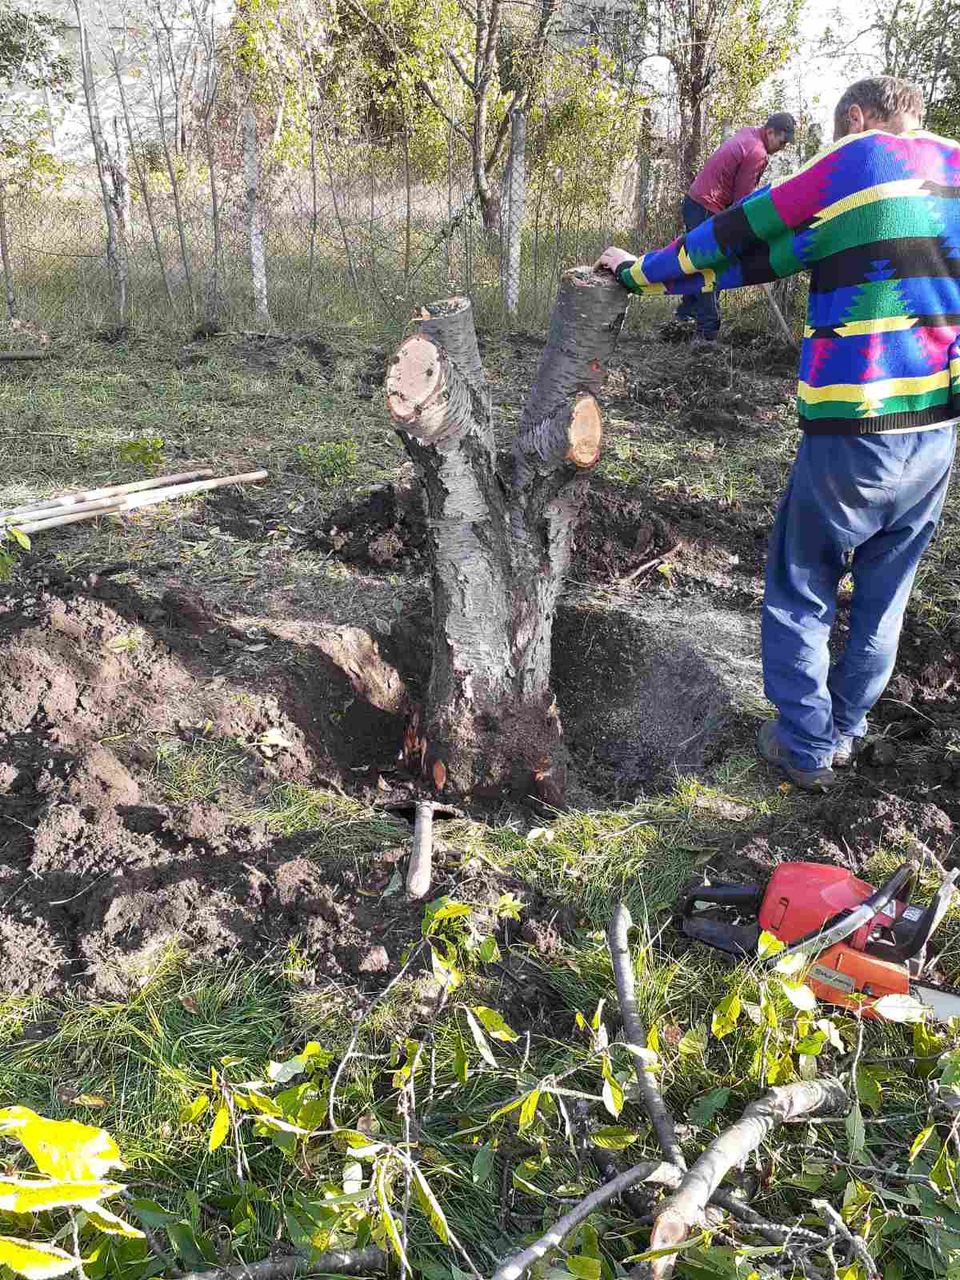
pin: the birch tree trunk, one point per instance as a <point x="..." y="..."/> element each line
<point x="142" y="182"/>
<point x="118" y="168"/>
<point x="501" y="535"/>
<point x="116" y="255"/>
<point x="516" y="195"/>
<point x="9" y="292"/>
<point x="258" y="256"/>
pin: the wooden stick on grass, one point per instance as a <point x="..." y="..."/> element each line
<point x="653" y="1103"/>
<point x="420" y="869"/>
<point x="74" y="500"/>
<point x="133" y="501"/>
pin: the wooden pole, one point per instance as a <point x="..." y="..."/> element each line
<point x="420" y="870"/>
<point x="133" y="501"/>
<point x="108" y="491"/>
<point x="778" y="316"/>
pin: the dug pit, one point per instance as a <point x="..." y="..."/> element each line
<point x="145" y="743"/>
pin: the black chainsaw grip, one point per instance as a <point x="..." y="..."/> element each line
<point x="898" y="886"/>
<point x="724" y="895"/>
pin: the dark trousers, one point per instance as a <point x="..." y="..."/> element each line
<point x="704" y="308"/>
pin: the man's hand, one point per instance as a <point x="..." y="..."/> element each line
<point x="613" y="258"/>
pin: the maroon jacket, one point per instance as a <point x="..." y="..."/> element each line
<point x="732" y="172"/>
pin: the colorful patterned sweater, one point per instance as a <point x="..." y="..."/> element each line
<point x="876" y="221"/>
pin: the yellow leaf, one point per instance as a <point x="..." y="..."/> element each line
<point x="768" y="944"/>
<point x="612" y="1089"/>
<point x="111" y="1225"/>
<point x="219" y="1129"/>
<point x="528" y="1110"/>
<point x="799" y="995"/>
<point x="494" y="1024"/>
<point x="35" y="1261"/>
<point x="431" y="1206"/>
<point x="20" y="1195"/>
<point x="920" y="1141"/>
<point x="726" y="1015"/>
<point x="63" y="1149"/>
<point x="194" y="1110"/>
<point x="386" y="1217"/>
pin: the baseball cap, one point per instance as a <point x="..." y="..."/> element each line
<point x="783" y="122"/>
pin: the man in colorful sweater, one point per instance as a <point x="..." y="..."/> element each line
<point x="875" y="219"/>
<point x="730" y="175"/>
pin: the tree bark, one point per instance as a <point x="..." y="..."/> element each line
<point x="116" y="256"/>
<point x="684" y="1211"/>
<point x="142" y="180"/>
<point x="10" y="294"/>
<point x="258" y="256"/>
<point x="516" y="195"/>
<point x="501" y="535"/>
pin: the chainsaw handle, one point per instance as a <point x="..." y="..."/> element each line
<point x="723" y="895"/>
<point x="899" y="885"/>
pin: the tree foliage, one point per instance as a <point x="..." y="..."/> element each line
<point x="31" y="61"/>
<point x="921" y="42"/>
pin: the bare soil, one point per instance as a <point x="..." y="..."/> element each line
<point x="103" y="865"/>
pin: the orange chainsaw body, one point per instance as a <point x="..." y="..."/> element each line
<point x="800" y="897"/>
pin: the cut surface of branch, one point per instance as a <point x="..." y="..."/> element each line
<point x="648" y="1171"/>
<point x="585" y="433"/>
<point x="684" y="1211"/>
<point x="415" y="380"/>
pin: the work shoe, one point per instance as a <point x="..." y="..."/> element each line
<point x="773" y="751"/>
<point x="846" y="751"/>
<point x="678" y="329"/>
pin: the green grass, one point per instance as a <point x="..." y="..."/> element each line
<point x="133" y="1067"/>
<point x="198" y="770"/>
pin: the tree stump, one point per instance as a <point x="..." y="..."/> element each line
<point x="501" y="535"/>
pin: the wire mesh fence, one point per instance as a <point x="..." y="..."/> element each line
<point x="354" y="237"/>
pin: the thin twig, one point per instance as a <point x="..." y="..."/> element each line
<point x="622" y="961"/>
<point x="650" y="564"/>
<point x="348" y="1262"/>
<point x="856" y="1244"/>
<point x="648" y="1171"/>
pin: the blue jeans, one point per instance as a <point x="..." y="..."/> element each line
<point x="702" y="307"/>
<point x="867" y="505"/>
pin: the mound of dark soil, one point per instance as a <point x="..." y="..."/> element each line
<point x="98" y="870"/>
<point x="385" y="530"/>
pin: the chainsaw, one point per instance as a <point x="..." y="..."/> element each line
<point x="858" y="943"/>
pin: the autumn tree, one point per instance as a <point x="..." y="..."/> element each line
<point x="719" y="52"/>
<point x="33" y="68"/>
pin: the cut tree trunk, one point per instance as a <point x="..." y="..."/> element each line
<point x="501" y="535"/>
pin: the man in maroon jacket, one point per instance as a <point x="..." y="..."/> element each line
<point x="732" y="173"/>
